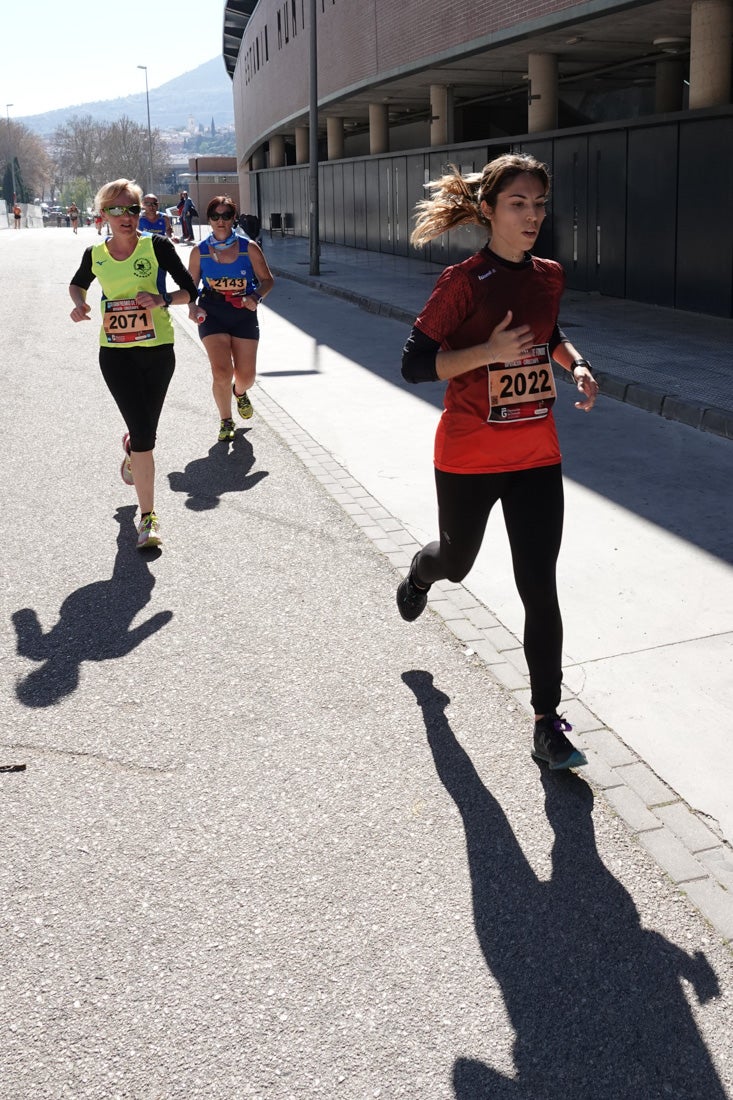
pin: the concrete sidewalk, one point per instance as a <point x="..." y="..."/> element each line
<point x="675" y="364"/>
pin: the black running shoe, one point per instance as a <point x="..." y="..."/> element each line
<point x="411" y="600"/>
<point x="552" y="746"/>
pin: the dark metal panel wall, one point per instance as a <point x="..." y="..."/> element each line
<point x="570" y="209"/>
<point x="705" y="243"/>
<point x="401" y="209"/>
<point x="277" y="190"/>
<point x="286" y="192"/>
<point x="305" y="200"/>
<point x="386" y="206"/>
<point x="652" y="214"/>
<point x="327" y="204"/>
<point x="360" y="208"/>
<point x="417" y="177"/>
<point x="267" y="205"/>
<point x="615" y="220"/>
<point x="293" y="194"/>
<point x="338" y="203"/>
<point x="607" y="213"/>
<point x="544" y="152"/>
<point x="373" y="233"/>
<point x="349" y="205"/>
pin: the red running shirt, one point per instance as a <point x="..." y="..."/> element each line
<point x="468" y="302"/>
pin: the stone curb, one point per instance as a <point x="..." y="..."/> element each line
<point x="694" y="414"/>
<point x="695" y="857"/>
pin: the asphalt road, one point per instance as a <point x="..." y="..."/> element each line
<point x="269" y="843"/>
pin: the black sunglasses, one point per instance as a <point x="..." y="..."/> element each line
<point x="217" y="216"/>
<point x="118" y="211"/>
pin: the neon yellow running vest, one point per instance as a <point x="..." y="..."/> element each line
<point x="124" y="324"/>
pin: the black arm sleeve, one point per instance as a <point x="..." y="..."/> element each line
<point x="418" y="358"/>
<point x="557" y="338"/>
<point x="84" y="276"/>
<point x="170" y="261"/>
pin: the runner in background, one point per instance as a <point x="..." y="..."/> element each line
<point x="136" y="338"/>
<point x="235" y="279"/>
<point x="17" y="214"/>
<point x="73" y="212"/>
<point x="490" y="330"/>
<point x="152" y="220"/>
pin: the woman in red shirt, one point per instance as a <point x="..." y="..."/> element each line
<point x="490" y="330"/>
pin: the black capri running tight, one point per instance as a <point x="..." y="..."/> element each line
<point x="138" y="379"/>
<point x="533" y="505"/>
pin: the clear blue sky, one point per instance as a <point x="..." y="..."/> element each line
<point x="64" y="55"/>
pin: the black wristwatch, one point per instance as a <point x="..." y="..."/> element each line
<point x="579" y="363"/>
<point x="167" y="299"/>
<point x="257" y="297"/>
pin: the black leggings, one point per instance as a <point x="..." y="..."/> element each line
<point x="138" y="379"/>
<point x="533" y="506"/>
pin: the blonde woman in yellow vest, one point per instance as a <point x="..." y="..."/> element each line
<point x="136" y="336"/>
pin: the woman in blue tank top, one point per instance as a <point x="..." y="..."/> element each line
<point x="235" y="278"/>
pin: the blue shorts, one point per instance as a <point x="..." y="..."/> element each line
<point x="226" y="318"/>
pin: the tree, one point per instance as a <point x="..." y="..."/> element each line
<point x="98" y="152"/>
<point x="33" y="166"/>
<point x="77" y="150"/>
<point x="78" y="191"/>
<point x="8" y="192"/>
<point x="223" y="144"/>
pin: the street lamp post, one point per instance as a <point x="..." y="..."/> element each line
<point x="315" y="246"/>
<point x="10" y="150"/>
<point x="150" y="133"/>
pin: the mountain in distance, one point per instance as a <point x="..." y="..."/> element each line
<point x="203" y="93"/>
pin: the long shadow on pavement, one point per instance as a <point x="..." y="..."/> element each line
<point x="93" y="625"/>
<point x="594" y="999"/>
<point x="205" y="480"/>
<point x="671" y="475"/>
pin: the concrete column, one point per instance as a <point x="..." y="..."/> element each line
<point x="258" y="159"/>
<point x="302" y="137"/>
<point x="277" y="151"/>
<point x="441" y="114"/>
<point x="335" y="138"/>
<point x="668" y="85"/>
<point x="711" y="26"/>
<point x="378" y="128"/>
<point x="542" y="110"/>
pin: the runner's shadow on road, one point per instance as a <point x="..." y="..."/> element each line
<point x="223" y="470"/>
<point x="595" y="1000"/>
<point x="93" y="625"/>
